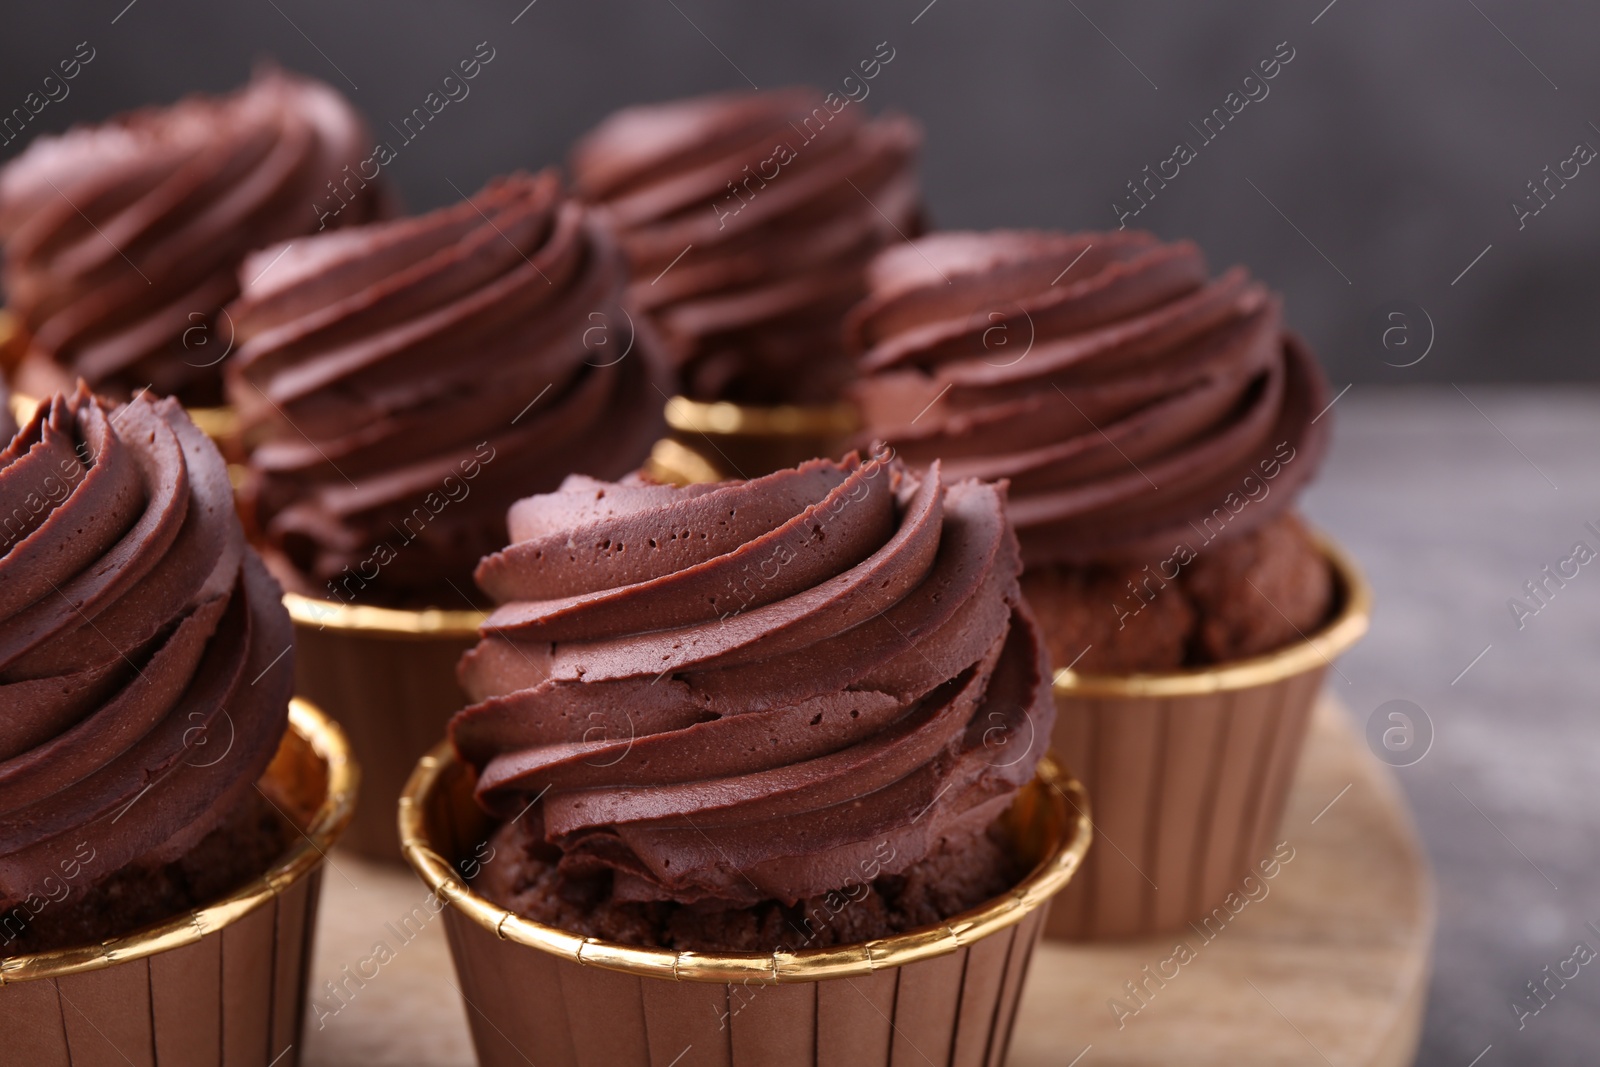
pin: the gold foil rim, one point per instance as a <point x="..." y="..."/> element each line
<point x="23" y="407"/>
<point x="218" y="423"/>
<point x="327" y="742"/>
<point x="721" y="417"/>
<point x="1063" y="818"/>
<point x="322" y="614"/>
<point x="1317" y="650"/>
<point x="673" y="464"/>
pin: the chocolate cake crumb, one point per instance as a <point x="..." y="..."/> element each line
<point x="954" y="877"/>
<point x="139" y="895"/>
<point x="1259" y="592"/>
<point x="1241" y="597"/>
<point x="1077" y="608"/>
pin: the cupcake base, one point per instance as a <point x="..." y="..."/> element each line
<point x="246" y="843"/>
<point x="1189" y="771"/>
<point x="956" y="876"/>
<point x="529" y="1006"/>
<point x="943" y="995"/>
<point x="1339" y="941"/>
<point x="225" y="984"/>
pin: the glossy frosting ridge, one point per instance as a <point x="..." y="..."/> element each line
<point x="744" y="691"/>
<point x="405" y="382"/>
<point x="145" y="659"/>
<point x="748" y="218"/>
<point x="1133" y="400"/>
<point x="123" y="239"/>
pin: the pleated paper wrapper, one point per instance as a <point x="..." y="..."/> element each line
<point x="1189" y="772"/>
<point x="223" y="986"/>
<point x="944" y="995"/>
<point x="389" y="677"/>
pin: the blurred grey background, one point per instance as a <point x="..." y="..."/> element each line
<point x="1381" y="163"/>
<point x="1376" y="178"/>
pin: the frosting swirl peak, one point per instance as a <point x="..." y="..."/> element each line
<point x="122" y="240"/>
<point x="1126" y="394"/>
<point x="408" y="380"/>
<point x="748" y="218"/>
<point x="145" y="663"/>
<point x="743" y="691"/>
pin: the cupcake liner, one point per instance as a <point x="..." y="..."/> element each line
<point x="224" y="984"/>
<point x="389" y="677"/>
<point x="944" y="995"/>
<point x="1190" y="771"/>
<point x="714" y="441"/>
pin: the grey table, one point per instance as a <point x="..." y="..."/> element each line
<point x="1453" y="500"/>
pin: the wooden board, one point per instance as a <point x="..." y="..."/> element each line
<point x="1332" y="959"/>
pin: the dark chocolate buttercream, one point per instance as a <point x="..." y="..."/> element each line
<point x="123" y="240"/>
<point x="748" y="218"/>
<point x="145" y="663"/>
<point x="409" y="380"/>
<point x="756" y="690"/>
<point x="1126" y="394"/>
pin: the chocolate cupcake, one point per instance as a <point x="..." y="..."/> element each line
<point x="402" y="384"/>
<point x="123" y="240"/>
<point x="1155" y="424"/>
<point x="779" y="716"/>
<point x="145" y="668"/>
<point x="748" y="219"/>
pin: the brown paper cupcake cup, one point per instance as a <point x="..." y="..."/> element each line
<point x="714" y="441"/>
<point x="389" y="676"/>
<point x="223" y="985"/>
<point x="942" y="995"/>
<point x="1189" y="771"/>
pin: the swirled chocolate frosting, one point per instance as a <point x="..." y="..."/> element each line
<point x="748" y="218"/>
<point x="744" y="691"/>
<point x="123" y="240"/>
<point x="145" y="663"/>
<point x="409" y="380"/>
<point x="1132" y="400"/>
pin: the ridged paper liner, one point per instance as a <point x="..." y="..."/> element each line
<point x="713" y="441"/>
<point x="944" y="995"/>
<point x="1189" y="772"/>
<point x="389" y="677"/>
<point x="225" y="985"/>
